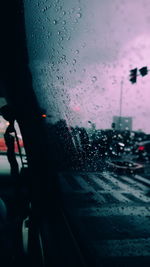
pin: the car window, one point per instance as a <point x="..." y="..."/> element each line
<point x="3" y="126"/>
<point x="89" y="62"/>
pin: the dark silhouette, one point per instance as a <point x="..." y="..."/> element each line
<point x="10" y="141"/>
<point x="9" y="137"/>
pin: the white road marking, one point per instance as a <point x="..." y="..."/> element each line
<point x="115" y="193"/>
<point x="89" y="188"/>
<point x="127" y="189"/>
<point x="136" y="189"/>
<point x="134" y="183"/>
<point x="142" y="179"/>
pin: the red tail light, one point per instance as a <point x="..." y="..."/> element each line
<point x="44" y="116"/>
<point x="141" y="148"/>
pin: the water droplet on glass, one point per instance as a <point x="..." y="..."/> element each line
<point x="94" y="79"/>
<point x="77" y="51"/>
<point x="44" y="9"/>
<point x="84" y="45"/>
<point x="79" y="15"/>
<point x="60" y="8"/>
<point x="55" y="22"/>
<point x="74" y="61"/>
<point x="64" y="22"/>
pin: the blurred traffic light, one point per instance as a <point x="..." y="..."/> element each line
<point x="133" y="75"/>
<point x="44" y="116"/>
<point x="143" y="71"/>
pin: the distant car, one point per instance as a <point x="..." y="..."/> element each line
<point x="121" y="166"/>
<point x="3" y="148"/>
<point x="142" y="150"/>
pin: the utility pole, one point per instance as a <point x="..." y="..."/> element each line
<point x="121" y="94"/>
<point x="120" y="110"/>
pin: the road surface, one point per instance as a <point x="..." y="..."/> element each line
<point x="110" y="214"/>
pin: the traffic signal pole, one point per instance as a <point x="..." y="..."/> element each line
<point x="120" y="110"/>
<point x="121" y="95"/>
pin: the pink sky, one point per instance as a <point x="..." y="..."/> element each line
<point x="85" y="49"/>
<point x="99" y="93"/>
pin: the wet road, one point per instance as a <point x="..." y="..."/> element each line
<point x="110" y="214"/>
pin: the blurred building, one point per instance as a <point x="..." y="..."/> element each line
<point x="122" y="123"/>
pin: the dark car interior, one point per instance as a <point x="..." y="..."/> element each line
<point x="44" y="217"/>
<point x="35" y="194"/>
